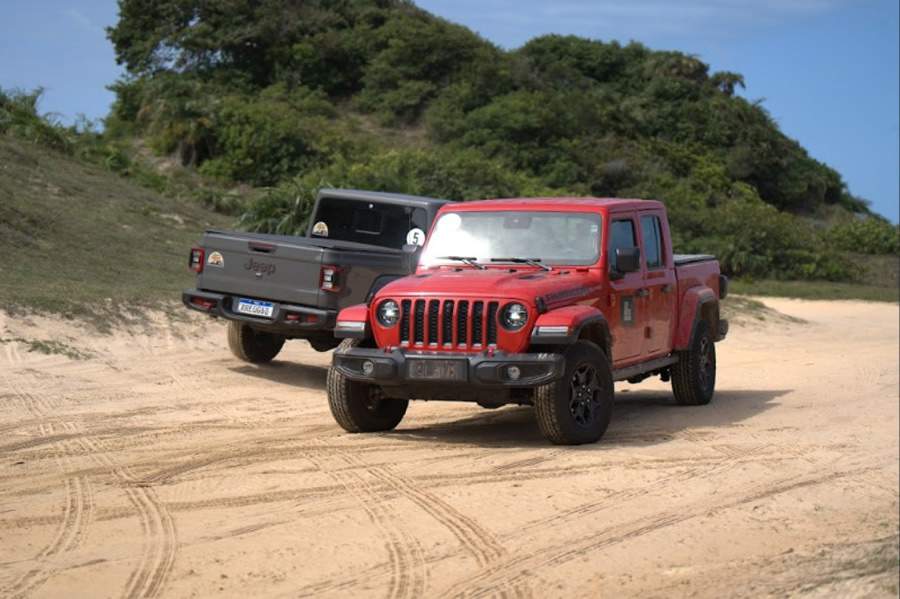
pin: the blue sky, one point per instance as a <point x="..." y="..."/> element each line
<point x="828" y="70"/>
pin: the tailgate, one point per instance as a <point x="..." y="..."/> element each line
<point x="262" y="266"/>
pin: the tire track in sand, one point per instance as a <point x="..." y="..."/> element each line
<point x="520" y="567"/>
<point x="695" y="467"/>
<point x="160" y="545"/>
<point x="77" y="510"/>
<point x="77" y="514"/>
<point x="406" y="561"/>
<point x="472" y="537"/>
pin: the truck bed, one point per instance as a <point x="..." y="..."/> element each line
<point x="697" y="271"/>
<point x="286" y="268"/>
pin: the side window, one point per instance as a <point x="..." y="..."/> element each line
<point x="621" y="235"/>
<point x="652" y="233"/>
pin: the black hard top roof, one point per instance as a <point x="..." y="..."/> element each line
<point x="379" y="196"/>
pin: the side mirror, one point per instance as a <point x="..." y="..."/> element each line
<point x="627" y="260"/>
<point x="411" y="253"/>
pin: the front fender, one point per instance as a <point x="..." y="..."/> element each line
<point x="563" y="326"/>
<point x="689" y="313"/>
<point x="353" y="322"/>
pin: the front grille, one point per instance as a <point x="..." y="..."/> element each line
<point x="492" y="323"/>
<point x="404" y="319"/>
<point x="448" y="323"/>
<point x="462" y="323"/>
<point x="419" y="322"/>
<point x="477" y="322"/>
<point x="434" y="308"/>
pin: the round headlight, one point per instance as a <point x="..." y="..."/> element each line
<point x="388" y="313"/>
<point x="514" y="316"/>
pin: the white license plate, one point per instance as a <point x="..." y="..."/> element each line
<point x="437" y="370"/>
<point x="256" y="308"/>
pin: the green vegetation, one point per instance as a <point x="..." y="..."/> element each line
<point x="877" y="279"/>
<point x="383" y="95"/>
<point x="50" y="347"/>
<point x="817" y="290"/>
<point x="125" y="156"/>
<point x="870" y="236"/>
<point x="248" y="108"/>
<point x="83" y="242"/>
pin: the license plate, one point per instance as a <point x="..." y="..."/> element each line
<point x="256" y="308"/>
<point x="437" y="370"/>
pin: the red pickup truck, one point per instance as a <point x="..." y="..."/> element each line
<point x="541" y="302"/>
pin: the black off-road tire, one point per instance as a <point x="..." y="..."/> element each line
<point x="253" y="346"/>
<point x="322" y="344"/>
<point x="360" y="407"/>
<point x="577" y="408"/>
<point x="694" y="376"/>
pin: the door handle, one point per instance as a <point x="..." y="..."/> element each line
<point x="668" y="288"/>
<point x="643" y="292"/>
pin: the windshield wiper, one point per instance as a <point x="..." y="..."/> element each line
<point x="529" y="261"/>
<point x="470" y="260"/>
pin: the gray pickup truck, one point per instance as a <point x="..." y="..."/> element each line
<point x="277" y="287"/>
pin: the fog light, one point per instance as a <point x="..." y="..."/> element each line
<point x="368" y="367"/>
<point x="513" y="373"/>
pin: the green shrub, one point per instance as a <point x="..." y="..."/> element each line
<point x="19" y="117"/>
<point x="416" y="57"/>
<point x="463" y="175"/>
<point x="865" y="236"/>
<point x="270" y="137"/>
<point x="753" y="239"/>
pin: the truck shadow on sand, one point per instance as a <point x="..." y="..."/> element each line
<point x="639" y="419"/>
<point x="287" y="373"/>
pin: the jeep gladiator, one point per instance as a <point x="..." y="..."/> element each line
<point x="541" y="302"/>
<point x="277" y="287"/>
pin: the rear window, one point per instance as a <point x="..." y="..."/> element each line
<point x="650" y="229"/>
<point x="385" y="225"/>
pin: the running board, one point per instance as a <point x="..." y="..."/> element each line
<point x="622" y="374"/>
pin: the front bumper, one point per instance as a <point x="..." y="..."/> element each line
<point x="395" y="368"/>
<point x="286" y="319"/>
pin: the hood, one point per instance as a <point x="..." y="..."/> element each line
<point x="522" y="284"/>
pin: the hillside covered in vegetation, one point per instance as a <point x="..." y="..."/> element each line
<point x="262" y="102"/>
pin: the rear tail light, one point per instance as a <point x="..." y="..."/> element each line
<point x="297" y="317"/>
<point x="195" y="261"/>
<point x="203" y="303"/>
<point x="328" y="278"/>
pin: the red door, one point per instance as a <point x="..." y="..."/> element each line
<point x="659" y="289"/>
<point x="625" y="313"/>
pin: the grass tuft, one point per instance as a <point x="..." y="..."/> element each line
<point x="50" y="347"/>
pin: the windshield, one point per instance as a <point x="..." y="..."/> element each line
<point x="386" y="225"/>
<point x="571" y="238"/>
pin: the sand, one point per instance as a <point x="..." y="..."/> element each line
<point x="151" y="463"/>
